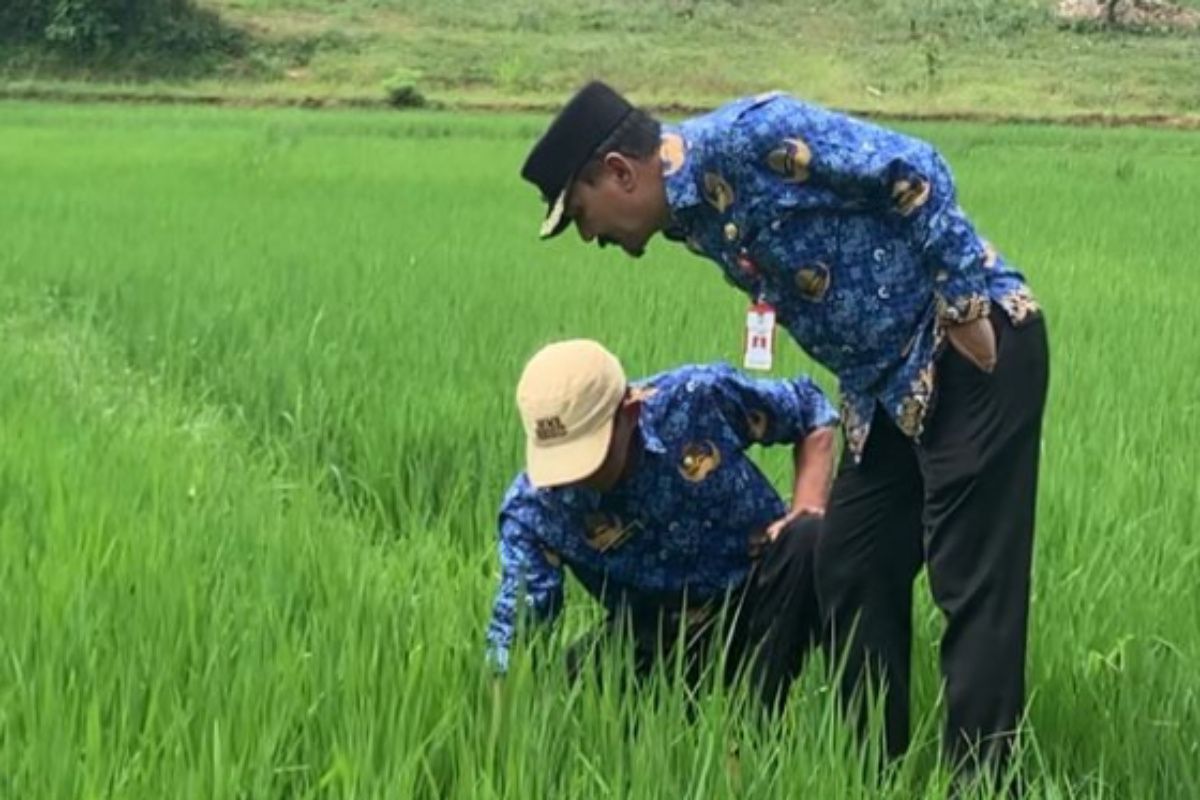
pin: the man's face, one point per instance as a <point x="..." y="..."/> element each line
<point x="624" y="203"/>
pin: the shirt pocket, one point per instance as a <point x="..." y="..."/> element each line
<point x="799" y="258"/>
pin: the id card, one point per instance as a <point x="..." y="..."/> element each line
<point x="760" y="337"/>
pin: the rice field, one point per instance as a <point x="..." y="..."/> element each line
<point x="256" y="417"/>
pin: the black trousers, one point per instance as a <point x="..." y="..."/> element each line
<point x="767" y="625"/>
<point x="960" y="501"/>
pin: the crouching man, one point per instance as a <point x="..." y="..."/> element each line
<point x="645" y="491"/>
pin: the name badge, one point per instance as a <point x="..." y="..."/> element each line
<point x="759" y="350"/>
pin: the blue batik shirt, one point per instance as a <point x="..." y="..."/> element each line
<point x="852" y="231"/>
<point x="678" y="532"/>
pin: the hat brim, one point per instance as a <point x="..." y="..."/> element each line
<point x="569" y="462"/>
<point x="556" y="220"/>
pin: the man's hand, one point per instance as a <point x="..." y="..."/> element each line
<point x="975" y="341"/>
<point x="777" y="527"/>
<point x="813" y="460"/>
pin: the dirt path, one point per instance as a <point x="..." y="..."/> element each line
<point x="1088" y="119"/>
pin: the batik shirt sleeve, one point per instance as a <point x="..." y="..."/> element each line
<point x="531" y="582"/>
<point x="768" y="412"/>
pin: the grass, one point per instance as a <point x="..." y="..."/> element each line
<point x="1008" y="57"/>
<point x="257" y="419"/>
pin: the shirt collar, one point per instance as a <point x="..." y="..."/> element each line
<point x="679" y="177"/>
<point x="650" y="437"/>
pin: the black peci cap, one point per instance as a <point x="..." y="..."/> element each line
<point x="588" y="118"/>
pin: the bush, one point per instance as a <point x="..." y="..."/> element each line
<point x="402" y="90"/>
<point x="92" y="27"/>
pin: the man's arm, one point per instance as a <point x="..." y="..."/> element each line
<point x="531" y="586"/>
<point x="813" y="459"/>
<point x="791" y="411"/>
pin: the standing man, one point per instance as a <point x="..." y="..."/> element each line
<point x="646" y="494"/>
<point x="853" y="234"/>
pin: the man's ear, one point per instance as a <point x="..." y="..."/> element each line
<point x="622" y="169"/>
<point x="631" y="406"/>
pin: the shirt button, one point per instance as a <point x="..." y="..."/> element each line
<point x="884" y="294"/>
<point x="731" y="231"/>
<point x="880" y="254"/>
